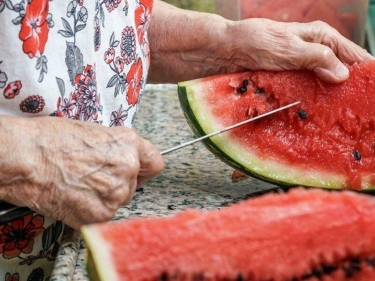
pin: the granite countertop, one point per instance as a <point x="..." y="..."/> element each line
<point x="193" y="177"/>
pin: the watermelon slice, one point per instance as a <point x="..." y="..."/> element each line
<point x="300" y="235"/>
<point x="280" y="10"/>
<point x="327" y="12"/>
<point x="333" y="12"/>
<point x="326" y="141"/>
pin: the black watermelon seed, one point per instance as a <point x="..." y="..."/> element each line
<point x="357" y="155"/>
<point x="241" y="90"/>
<point x="317" y="273"/>
<point x="353" y="267"/>
<point x="370" y="262"/>
<point x="302" y="114"/>
<point x="327" y="269"/>
<point x="163" y="277"/>
<point x="349" y="272"/>
<point x="199" y="277"/>
<point x="260" y="91"/>
<point x="246" y="83"/>
<point x="355" y="264"/>
<point x="240" y="277"/>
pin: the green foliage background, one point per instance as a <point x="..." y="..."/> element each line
<point x="196" y="5"/>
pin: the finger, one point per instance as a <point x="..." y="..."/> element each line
<point x="329" y="62"/>
<point x="324" y="62"/>
<point x="347" y="51"/>
<point x="129" y="193"/>
<point x="151" y="162"/>
<point x="322" y="33"/>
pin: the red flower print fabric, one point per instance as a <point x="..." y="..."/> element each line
<point x="32" y="104"/>
<point x="86" y="95"/>
<point x="12" y="90"/>
<point x="111" y="4"/>
<point x="84" y="103"/>
<point x="14" y="277"/>
<point x="77" y="59"/>
<point x="18" y="236"/>
<point x="142" y="18"/>
<point x="134" y="80"/>
<point x="28" y="243"/>
<point x="34" y="28"/>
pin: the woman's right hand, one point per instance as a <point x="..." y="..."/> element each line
<point x="76" y="172"/>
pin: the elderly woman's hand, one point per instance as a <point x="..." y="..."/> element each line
<point x="265" y="44"/>
<point x="74" y="171"/>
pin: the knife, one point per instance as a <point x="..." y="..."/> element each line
<point x="228" y="128"/>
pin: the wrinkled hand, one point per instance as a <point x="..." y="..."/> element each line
<point x="78" y="172"/>
<point x="265" y="44"/>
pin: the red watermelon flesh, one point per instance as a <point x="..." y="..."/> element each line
<point x="328" y="140"/>
<point x="249" y="7"/>
<point x="300" y="235"/>
<point x="327" y="12"/>
<point x="351" y="23"/>
<point x="333" y="12"/>
<point x="280" y="10"/>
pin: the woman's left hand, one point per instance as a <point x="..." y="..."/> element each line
<point x="278" y="46"/>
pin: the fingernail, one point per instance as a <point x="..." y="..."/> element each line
<point x="342" y="72"/>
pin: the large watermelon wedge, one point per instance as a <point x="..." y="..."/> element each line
<point x="327" y="141"/>
<point x="301" y="236"/>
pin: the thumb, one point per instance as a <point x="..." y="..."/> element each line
<point x="324" y="62"/>
<point x="336" y="74"/>
<point x="151" y="162"/>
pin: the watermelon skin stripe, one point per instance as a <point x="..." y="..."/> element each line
<point x="192" y="105"/>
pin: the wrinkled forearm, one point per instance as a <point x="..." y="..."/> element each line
<point x="185" y="44"/>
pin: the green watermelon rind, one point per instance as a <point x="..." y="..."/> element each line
<point x="98" y="269"/>
<point x="191" y="96"/>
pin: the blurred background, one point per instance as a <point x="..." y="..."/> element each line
<point x="196" y="5"/>
<point x="355" y="19"/>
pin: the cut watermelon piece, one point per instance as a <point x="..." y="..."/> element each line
<point x="280" y="10"/>
<point x="327" y="141"/>
<point x="329" y="13"/>
<point x="299" y="235"/>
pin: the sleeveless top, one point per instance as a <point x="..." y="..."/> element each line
<point x="81" y="59"/>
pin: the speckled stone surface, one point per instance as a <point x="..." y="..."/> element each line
<point x="193" y="177"/>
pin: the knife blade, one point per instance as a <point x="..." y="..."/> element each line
<point x="228" y="128"/>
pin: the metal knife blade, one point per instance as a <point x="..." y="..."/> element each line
<point x="228" y="128"/>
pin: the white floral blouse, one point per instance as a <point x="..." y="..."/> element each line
<point x="81" y="59"/>
<point x="85" y="60"/>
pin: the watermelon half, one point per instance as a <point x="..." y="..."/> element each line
<point x="326" y="141"/>
<point x="302" y="235"/>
